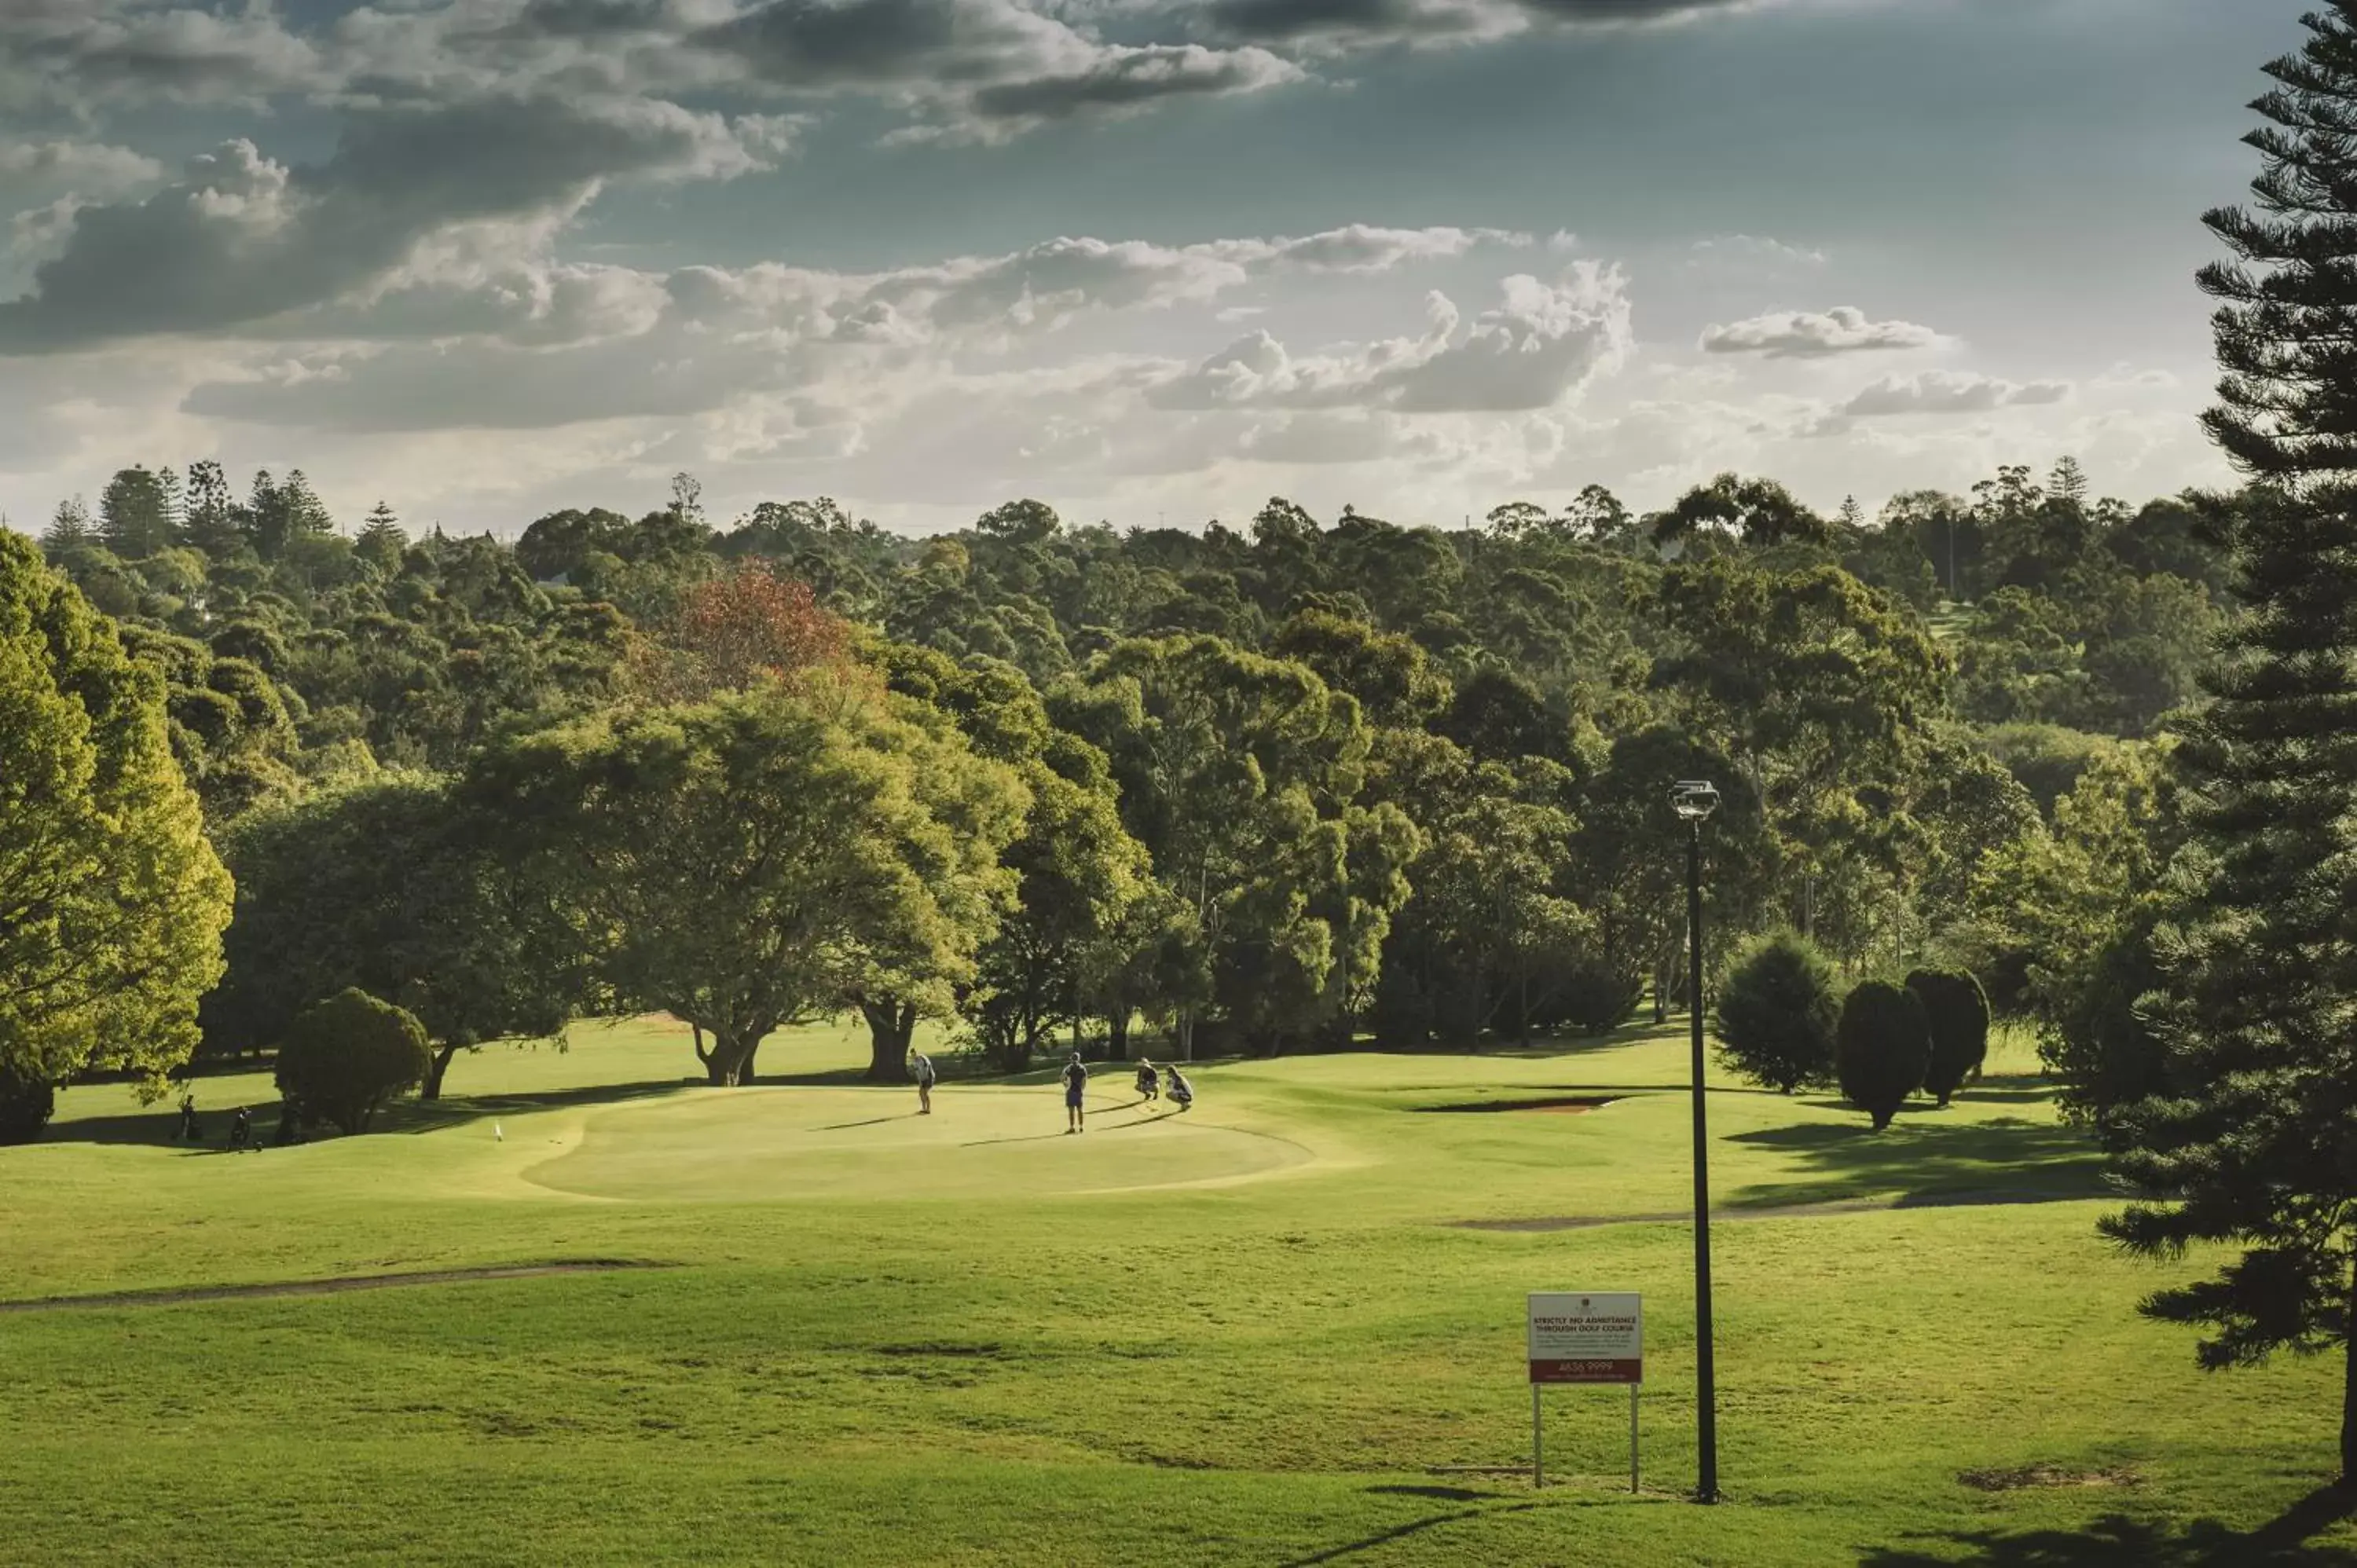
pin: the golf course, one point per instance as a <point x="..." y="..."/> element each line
<point x="652" y="1320"/>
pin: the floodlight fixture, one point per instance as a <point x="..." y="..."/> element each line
<point x="1693" y="799"/>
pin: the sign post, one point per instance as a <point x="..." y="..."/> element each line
<point x="1591" y="1337"/>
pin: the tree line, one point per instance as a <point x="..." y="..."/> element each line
<point x="1282" y="787"/>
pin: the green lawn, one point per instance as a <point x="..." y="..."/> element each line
<point x="1256" y="1334"/>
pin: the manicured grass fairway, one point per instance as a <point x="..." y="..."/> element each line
<point x="1252" y="1334"/>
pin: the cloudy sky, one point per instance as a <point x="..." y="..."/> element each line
<point x="1143" y="259"/>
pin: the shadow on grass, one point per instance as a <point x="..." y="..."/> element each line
<point x="1924" y="1159"/>
<point x="1413" y="1527"/>
<point x="2119" y="1541"/>
<point x="158" y="1127"/>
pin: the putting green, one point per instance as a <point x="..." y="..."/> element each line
<point x="766" y="1144"/>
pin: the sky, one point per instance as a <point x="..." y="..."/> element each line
<point x="1152" y="261"/>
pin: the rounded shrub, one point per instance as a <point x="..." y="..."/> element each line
<point x="26" y="1103"/>
<point x="1776" y="1014"/>
<point x="343" y="1059"/>
<point x="1882" y="1047"/>
<point x="1957" y="1011"/>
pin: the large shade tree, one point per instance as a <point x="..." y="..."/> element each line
<point x="751" y="860"/>
<point x="392" y="886"/>
<point x="112" y="903"/>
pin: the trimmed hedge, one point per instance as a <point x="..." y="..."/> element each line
<point x="1882" y="1049"/>
<point x="1958" y="1012"/>
<point x="344" y="1057"/>
<point x="1777" y="1013"/>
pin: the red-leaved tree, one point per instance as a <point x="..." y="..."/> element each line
<point x="749" y="625"/>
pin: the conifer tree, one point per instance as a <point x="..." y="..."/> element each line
<point x="2251" y="1148"/>
<point x="211" y="524"/>
<point x="382" y="539"/>
<point x="134" y="514"/>
<point x="70" y="529"/>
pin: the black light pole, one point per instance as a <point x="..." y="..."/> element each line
<point x="1694" y="801"/>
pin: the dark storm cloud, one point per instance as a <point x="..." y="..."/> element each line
<point x="1377" y="22"/>
<point x="1131" y="78"/>
<point x="1284" y="21"/>
<point x="981" y="62"/>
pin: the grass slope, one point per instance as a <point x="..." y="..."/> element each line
<point x="1260" y="1333"/>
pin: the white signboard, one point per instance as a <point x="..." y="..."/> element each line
<point x="1587" y="1337"/>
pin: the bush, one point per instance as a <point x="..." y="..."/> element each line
<point x="343" y="1059"/>
<point x="1958" y="1013"/>
<point x="2099" y="1041"/>
<point x="26" y="1104"/>
<point x="1776" y="1015"/>
<point x="1882" y="1049"/>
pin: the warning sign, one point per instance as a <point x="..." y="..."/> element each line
<point x="1587" y="1337"/>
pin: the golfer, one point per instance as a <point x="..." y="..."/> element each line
<point x="1149" y="1082"/>
<point x="1076" y="1079"/>
<point x="1182" y="1093"/>
<point x="922" y="1066"/>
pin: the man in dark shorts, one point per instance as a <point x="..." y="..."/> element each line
<point x="1076" y="1080"/>
<point x="921" y="1069"/>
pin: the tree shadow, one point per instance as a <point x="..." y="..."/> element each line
<point x="1414" y="1526"/>
<point x="2008" y="1158"/>
<point x="156" y="1127"/>
<point x="2116" y="1540"/>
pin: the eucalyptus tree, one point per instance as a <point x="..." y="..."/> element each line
<point x="754" y="860"/>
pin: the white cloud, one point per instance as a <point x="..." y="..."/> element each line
<point x="1798" y="335"/>
<point x="1950" y="391"/>
<point x="481" y="328"/>
<point x="58" y="165"/>
<point x="1756" y="248"/>
<point x="1539" y="346"/>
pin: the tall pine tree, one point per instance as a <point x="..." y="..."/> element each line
<point x="2257" y="1146"/>
<point x="381" y="539"/>
<point x="70" y="531"/>
<point x="211" y="523"/>
<point x="134" y="514"/>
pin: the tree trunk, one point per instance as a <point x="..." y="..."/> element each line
<point x="744" y="1065"/>
<point x="1117" y="1034"/>
<point x="1187" y="1036"/>
<point x="433" y="1090"/>
<point x="2349" y="1388"/>
<point x="726" y="1065"/>
<point x="891" y="1025"/>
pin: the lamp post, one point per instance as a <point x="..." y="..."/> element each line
<point x="1695" y="800"/>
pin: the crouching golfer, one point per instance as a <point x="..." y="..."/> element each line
<point x="920" y="1068"/>
<point x="1149" y="1082"/>
<point x="1076" y="1079"/>
<point x="1182" y="1093"/>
